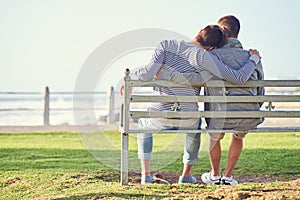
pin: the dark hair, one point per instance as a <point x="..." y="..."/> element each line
<point x="231" y="25"/>
<point x="213" y="36"/>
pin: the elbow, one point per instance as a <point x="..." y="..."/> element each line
<point x="139" y="76"/>
<point x="240" y="81"/>
<point x="243" y="81"/>
<point x="145" y="77"/>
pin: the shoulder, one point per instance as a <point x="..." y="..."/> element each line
<point x="171" y="45"/>
<point x="230" y="51"/>
<point x="165" y="44"/>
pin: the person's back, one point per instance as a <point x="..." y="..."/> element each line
<point x="178" y="56"/>
<point x="233" y="55"/>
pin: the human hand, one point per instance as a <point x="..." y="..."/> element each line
<point x="254" y="51"/>
<point x="122" y="90"/>
<point x="157" y="75"/>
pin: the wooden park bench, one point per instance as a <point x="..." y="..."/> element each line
<point x="127" y="113"/>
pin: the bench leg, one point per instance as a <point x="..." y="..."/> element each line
<point x="124" y="159"/>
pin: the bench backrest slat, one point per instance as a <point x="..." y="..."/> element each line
<point x="217" y="83"/>
<point x="220" y="99"/>
<point x="215" y="114"/>
<point x="260" y="130"/>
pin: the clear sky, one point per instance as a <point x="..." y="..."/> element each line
<point x="46" y="42"/>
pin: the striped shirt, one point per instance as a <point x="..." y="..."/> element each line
<point x="186" y="57"/>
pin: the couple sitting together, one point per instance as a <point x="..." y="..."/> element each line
<point x="215" y="53"/>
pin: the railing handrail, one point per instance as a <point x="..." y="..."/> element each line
<point x="55" y="93"/>
<point x="46" y="97"/>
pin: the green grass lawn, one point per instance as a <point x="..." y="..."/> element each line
<point x="59" y="166"/>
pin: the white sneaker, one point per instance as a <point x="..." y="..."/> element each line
<point x="208" y="178"/>
<point x="228" y="181"/>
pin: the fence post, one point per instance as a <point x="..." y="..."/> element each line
<point x="110" y="105"/>
<point x="46" y="105"/>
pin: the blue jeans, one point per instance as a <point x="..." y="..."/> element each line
<point x="191" y="147"/>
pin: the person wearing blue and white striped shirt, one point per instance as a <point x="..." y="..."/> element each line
<point x="184" y="56"/>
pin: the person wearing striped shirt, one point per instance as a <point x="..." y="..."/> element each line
<point x="183" y="57"/>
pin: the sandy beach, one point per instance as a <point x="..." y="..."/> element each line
<point x="57" y="128"/>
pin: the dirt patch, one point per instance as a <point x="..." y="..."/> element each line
<point x="267" y="187"/>
<point x="171" y="177"/>
<point x="13" y="180"/>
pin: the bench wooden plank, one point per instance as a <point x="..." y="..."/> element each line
<point x="220" y="99"/>
<point x="216" y="83"/>
<point x="257" y="130"/>
<point x="215" y="114"/>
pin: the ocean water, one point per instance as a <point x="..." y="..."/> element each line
<point x="26" y="109"/>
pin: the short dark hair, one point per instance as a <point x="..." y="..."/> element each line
<point x="213" y="36"/>
<point x="231" y="25"/>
